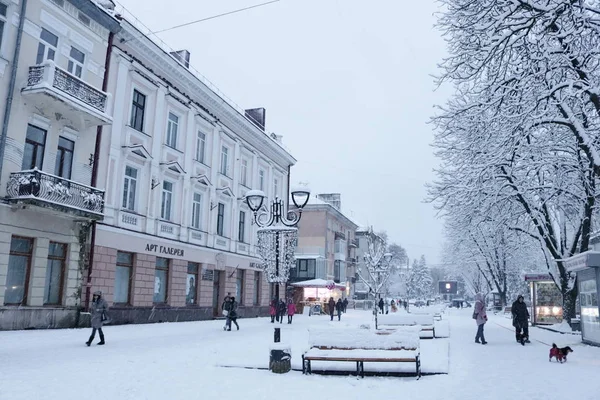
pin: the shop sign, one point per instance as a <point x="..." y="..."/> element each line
<point x="537" y="277"/>
<point x="172" y="251"/>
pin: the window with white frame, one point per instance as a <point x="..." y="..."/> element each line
<point x="275" y="187"/>
<point x="221" y="219"/>
<point x="244" y="172"/>
<point x="47" y="46"/>
<point x="200" y="146"/>
<point x="224" y="160"/>
<point x="166" y="201"/>
<point x="172" y="127"/>
<point x="3" y="11"/>
<point x="138" y="109"/>
<point x="197" y="211"/>
<point x="76" y="61"/>
<point x="129" y="188"/>
<point x="261" y="180"/>
<point x="242" y="227"/>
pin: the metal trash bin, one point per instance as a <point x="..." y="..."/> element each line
<point x="280" y="360"/>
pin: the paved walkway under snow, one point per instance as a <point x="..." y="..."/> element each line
<point x="183" y="361"/>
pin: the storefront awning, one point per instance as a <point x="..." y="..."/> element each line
<point x="581" y="261"/>
<point x="317" y="283"/>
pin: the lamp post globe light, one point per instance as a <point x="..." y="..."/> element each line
<point x="277" y="233"/>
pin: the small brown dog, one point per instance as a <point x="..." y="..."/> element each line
<point x="560" y="353"/>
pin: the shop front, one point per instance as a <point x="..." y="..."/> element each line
<point x="546" y="299"/>
<point x="587" y="267"/>
<point x="313" y="295"/>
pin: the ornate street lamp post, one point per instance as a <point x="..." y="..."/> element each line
<point x="277" y="233"/>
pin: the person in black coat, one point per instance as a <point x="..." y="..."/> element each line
<point x="339" y="306"/>
<point x="381" y="305"/>
<point x="520" y="316"/>
<point x="281" y="310"/>
<point x="331" y="307"/>
<point x="345" y="303"/>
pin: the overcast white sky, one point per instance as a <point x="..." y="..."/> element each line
<point x="346" y="82"/>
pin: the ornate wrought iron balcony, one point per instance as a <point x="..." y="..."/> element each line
<point x="46" y="190"/>
<point x="69" y="95"/>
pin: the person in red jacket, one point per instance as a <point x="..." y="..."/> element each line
<point x="273" y="310"/>
<point x="291" y="310"/>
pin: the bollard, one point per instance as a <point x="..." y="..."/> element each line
<point x="277" y="335"/>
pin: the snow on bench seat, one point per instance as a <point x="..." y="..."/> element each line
<point x="360" y="346"/>
<point x="425" y="321"/>
<point x="363" y="339"/>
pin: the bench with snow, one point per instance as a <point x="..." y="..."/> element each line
<point x="360" y="346"/>
<point x="425" y="321"/>
<point x="436" y="312"/>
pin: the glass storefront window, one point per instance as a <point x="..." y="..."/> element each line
<point x="590" y="318"/>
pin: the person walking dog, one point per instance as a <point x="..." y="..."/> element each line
<point x="520" y="316"/>
<point x="98" y="310"/>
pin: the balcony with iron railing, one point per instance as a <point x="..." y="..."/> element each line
<point x="49" y="191"/>
<point x="54" y="89"/>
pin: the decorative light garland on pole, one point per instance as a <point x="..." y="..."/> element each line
<point x="278" y="235"/>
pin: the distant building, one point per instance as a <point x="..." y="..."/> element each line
<point x="326" y="243"/>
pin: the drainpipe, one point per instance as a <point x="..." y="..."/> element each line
<point x="11" y="85"/>
<point x="88" y="286"/>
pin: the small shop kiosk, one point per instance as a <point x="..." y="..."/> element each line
<point x="546" y="299"/>
<point x="587" y="267"/>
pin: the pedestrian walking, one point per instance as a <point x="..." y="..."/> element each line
<point x="381" y="305"/>
<point x="226" y="306"/>
<point x="281" y="310"/>
<point x="291" y="310"/>
<point x="232" y="315"/>
<point x="339" y="306"/>
<point x="273" y="310"/>
<point x="331" y="307"/>
<point x="99" y="316"/>
<point x="480" y="316"/>
<point x="520" y="316"/>
<point x="345" y="302"/>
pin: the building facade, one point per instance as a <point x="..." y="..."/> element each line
<point x="363" y="237"/>
<point x="326" y="243"/>
<point x="52" y="64"/>
<point x="177" y="235"/>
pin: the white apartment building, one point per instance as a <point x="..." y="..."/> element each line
<point x="176" y="163"/>
<point x="52" y="63"/>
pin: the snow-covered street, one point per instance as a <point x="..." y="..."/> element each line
<point x="187" y="360"/>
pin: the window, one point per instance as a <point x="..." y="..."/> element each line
<point x="224" y="160"/>
<point x="261" y="180"/>
<point x="19" y="262"/>
<point x="60" y="3"/>
<point x="3" y="10"/>
<point x="242" y="226"/>
<point x="161" y="274"/>
<point x="336" y="271"/>
<point x="239" y="286"/>
<point x="167" y="200"/>
<point x="256" y="288"/>
<point x="64" y="158"/>
<point x="138" y="107"/>
<point x="220" y="219"/>
<point x="197" y="211"/>
<point x="35" y="143"/>
<point x="129" y="188"/>
<point x="47" y="46"/>
<point x="200" y="146"/>
<point x="275" y="187"/>
<point x="244" y="173"/>
<point x="192" y="283"/>
<point x="76" y="60"/>
<point x="123" y="274"/>
<point x="172" y="127"/>
<point x="305" y="269"/>
<point x="57" y="255"/>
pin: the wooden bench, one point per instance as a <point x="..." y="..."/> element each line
<point x="435" y="311"/>
<point x="425" y="321"/>
<point x="360" y="346"/>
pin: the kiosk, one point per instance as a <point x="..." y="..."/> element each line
<point x="587" y="267"/>
<point x="546" y="299"/>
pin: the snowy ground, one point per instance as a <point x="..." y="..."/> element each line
<point x="186" y="361"/>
